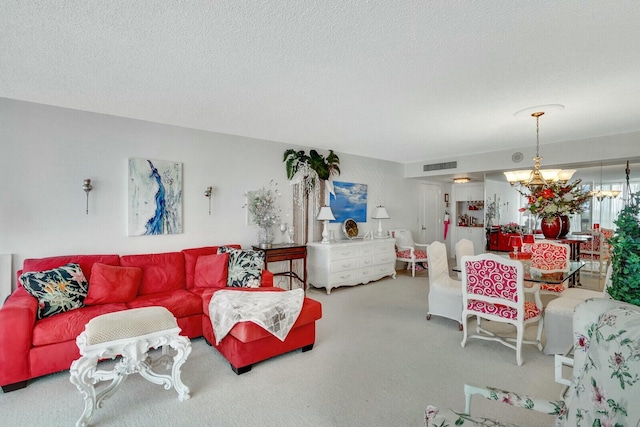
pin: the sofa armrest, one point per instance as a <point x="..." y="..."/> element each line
<point x="267" y="279"/>
<point x="17" y="320"/>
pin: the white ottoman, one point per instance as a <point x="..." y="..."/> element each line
<point x="130" y="333"/>
<point x="558" y="319"/>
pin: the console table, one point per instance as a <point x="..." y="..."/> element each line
<point x="350" y="262"/>
<point x="287" y="252"/>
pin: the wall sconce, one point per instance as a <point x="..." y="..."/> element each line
<point x="207" y="194"/>
<point x="87" y="187"/>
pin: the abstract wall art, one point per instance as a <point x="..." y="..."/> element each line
<point x="155" y="197"/>
<point x="350" y="201"/>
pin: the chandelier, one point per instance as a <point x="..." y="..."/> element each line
<point x="537" y="178"/>
<point x="601" y="194"/>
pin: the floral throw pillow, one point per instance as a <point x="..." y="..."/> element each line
<point x="245" y="267"/>
<point x="57" y="290"/>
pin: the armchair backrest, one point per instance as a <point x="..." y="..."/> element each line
<point x="403" y="237"/>
<point x="606" y="373"/>
<point x="550" y="257"/>
<point x="438" y="261"/>
<point x="495" y="280"/>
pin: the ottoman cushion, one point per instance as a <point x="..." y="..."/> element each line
<point x="128" y="324"/>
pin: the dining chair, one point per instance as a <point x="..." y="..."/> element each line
<point x="597" y="249"/>
<point x="493" y="289"/>
<point x="549" y="257"/>
<point x="408" y="251"/>
<point x="445" y="293"/>
<point x="463" y="247"/>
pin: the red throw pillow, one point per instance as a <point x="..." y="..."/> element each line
<point x="211" y="271"/>
<point x="111" y="284"/>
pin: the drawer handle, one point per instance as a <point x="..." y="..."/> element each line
<point x="346" y="265"/>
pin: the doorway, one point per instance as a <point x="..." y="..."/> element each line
<point x="431" y="214"/>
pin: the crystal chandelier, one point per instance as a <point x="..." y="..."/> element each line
<point x="537" y="178"/>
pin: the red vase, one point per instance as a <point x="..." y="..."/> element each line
<point x="551" y="227"/>
<point x="565" y="225"/>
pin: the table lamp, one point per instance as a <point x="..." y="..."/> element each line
<point x="325" y="215"/>
<point x="380" y="213"/>
<point x="515" y="242"/>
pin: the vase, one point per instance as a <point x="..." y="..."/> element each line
<point x="565" y="225"/>
<point x="265" y="237"/>
<point x="551" y="227"/>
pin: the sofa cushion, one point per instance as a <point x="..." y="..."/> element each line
<point x="112" y="283"/>
<point x="67" y="326"/>
<point x="191" y="258"/>
<point x="245" y="267"/>
<point x="211" y="271"/>
<point x="86" y="262"/>
<point x="249" y="331"/>
<point x="181" y="302"/>
<point x="205" y="294"/>
<point x="58" y="290"/>
<point x="160" y="272"/>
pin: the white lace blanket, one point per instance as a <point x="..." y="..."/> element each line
<point x="274" y="311"/>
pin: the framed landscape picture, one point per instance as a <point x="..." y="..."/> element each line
<point x="350" y="201"/>
<point x="155" y="197"/>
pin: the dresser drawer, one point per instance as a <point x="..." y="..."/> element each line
<point x="384" y="258"/>
<point x="386" y="247"/>
<point x="343" y="277"/>
<point x="344" y="252"/>
<point x="344" y="264"/>
<point x="365" y="250"/>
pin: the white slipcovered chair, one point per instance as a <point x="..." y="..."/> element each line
<point x="407" y="250"/>
<point x="445" y="293"/>
<point x="558" y="314"/>
<point x="463" y="247"/>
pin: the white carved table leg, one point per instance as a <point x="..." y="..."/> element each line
<point x="135" y="359"/>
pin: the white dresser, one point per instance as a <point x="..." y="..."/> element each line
<point x="350" y="262"/>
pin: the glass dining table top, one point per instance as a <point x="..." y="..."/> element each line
<point x="551" y="278"/>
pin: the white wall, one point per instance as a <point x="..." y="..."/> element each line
<point x="47" y="152"/>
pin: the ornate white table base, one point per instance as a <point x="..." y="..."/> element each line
<point x="134" y="352"/>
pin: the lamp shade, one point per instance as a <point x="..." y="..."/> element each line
<point x="325" y="214"/>
<point x="380" y="213"/>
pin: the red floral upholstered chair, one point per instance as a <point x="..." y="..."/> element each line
<point x="408" y="251"/>
<point x="493" y="289"/>
<point x="596" y="250"/>
<point x="547" y="258"/>
<point x="604" y="385"/>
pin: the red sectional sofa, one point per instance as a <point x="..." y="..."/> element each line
<point x="32" y="347"/>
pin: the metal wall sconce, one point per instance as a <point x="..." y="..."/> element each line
<point x="207" y="193"/>
<point x="87" y="187"/>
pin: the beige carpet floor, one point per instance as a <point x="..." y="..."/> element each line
<point x="377" y="362"/>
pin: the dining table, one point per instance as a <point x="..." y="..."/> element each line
<point x="535" y="276"/>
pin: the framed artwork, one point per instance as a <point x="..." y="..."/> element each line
<point x="350" y="201"/>
<point x="155" y="197"/>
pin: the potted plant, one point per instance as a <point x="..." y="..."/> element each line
<point x="309" y="173"/>
<point x="625" y="258"/>
<point x="264" y="212"/>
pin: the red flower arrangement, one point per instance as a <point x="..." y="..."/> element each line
<point x="556" y="199"/>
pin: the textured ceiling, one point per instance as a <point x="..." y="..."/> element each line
<point x="398" y="80"/>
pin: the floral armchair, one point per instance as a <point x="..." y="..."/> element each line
<point x="605" y="385"/>
<point x="409" y="251"/>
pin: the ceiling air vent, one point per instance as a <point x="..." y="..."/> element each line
<point x="439" y="166"/>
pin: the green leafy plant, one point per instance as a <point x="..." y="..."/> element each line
<point x="298" y="161"/>
<point x="625" y="258"/>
